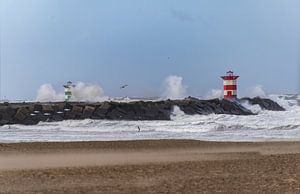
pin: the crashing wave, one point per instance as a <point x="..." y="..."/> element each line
<point x="266" y="125"/>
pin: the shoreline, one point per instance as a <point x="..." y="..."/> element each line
<point x="150" y="166"/>
<point x="136" y="144"/>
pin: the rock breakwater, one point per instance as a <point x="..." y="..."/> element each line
<point x="30" y="113"/>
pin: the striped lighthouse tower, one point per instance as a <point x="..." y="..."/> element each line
<point x="230" y="86"/>
<point x="68" y="90"/>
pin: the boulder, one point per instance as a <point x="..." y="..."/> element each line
<point x="88" y="111"/>
<point x="102" y="110"/>
<point x="56" y="118"/>
<point x="30" y="121"/>
<point x="77" y="109"/>
<point x="30" y="107"/>
<point x="6" y="113"/>
<point x="264" y="103"/>
<point x="233" y="107"/>
<point x="193" y="106"/>
<point x="38" y="108"/>
<point x="117" y="114"/>
<point x="39" y="117"/>
<point x="22" y="114"/>
<point x="60" y="106"/>
<point x="32" y="113"/>
<point x="47" y="108"/>
<point x="70" y="115"/>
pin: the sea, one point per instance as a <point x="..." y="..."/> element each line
<point x="264" y="126"/>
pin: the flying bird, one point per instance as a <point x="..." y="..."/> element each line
<point x="124" y="86"/>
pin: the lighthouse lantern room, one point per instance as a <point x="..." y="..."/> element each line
<point x="230" y="85"/>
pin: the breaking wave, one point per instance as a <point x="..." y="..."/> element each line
<point x="173" y="87"/>
<point x="265" y="126"/>
<point x="81" y="92"/>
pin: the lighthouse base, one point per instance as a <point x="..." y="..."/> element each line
<point x="230" y="97"/>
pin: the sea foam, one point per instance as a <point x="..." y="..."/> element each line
<point x="265" y="126"/>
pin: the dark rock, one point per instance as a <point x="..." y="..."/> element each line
<point x="234" y="107"/>
<point x="30" y="121"/>
<point x="67" y="106"/>
<point x="60" y="106"/>
<point x="264" y="103"/>
<point x="102" y="110"/>
<point x="48" y="109"/>
<point x="88" y="111"/>
<point x="70" y="115"/>
<point x="22" y="114"/>
<point x="57" y="118"/>
<point x="77" y="109"/>
<point x="39" y="117"/>
<point x="117" y="114"/>
<point x="6" y="113"/>
<point x="30" y="107"/>
<point x="38" y="107"/>
<point x="32" y="113"/>
<point x="193" y="106"/>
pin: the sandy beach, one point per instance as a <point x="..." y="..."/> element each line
<point x="153" y="166"/>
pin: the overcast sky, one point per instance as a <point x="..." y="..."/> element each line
<point x="140" y="42"/>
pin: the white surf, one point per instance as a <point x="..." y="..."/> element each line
<point x="265" y="126"/>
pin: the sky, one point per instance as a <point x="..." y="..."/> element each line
<point x="141" y="42"/>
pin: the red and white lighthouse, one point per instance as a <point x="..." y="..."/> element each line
<point x="230" y="86"/>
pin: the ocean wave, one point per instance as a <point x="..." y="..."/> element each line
<point x="266" y="125"/>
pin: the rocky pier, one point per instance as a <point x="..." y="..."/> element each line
<point x="31" y="113"/>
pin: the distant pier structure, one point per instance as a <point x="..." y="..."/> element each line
<point x="230" y="85"/>
<point x="68" y="90"/>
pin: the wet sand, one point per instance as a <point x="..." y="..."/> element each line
<point x="154" y="166"/>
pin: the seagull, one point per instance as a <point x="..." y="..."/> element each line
<point x="124" y="86"/>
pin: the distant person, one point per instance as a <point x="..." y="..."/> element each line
<point x="139" y="128"/>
